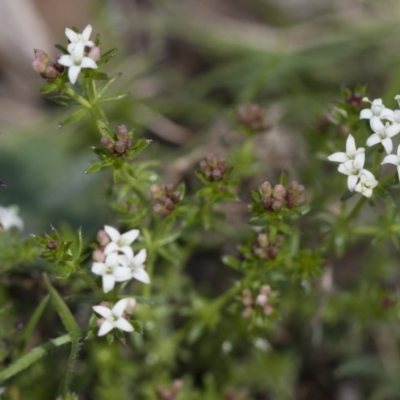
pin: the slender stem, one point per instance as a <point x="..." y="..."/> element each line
<point x="77" y="97"/>
<point x="356" y="209"/>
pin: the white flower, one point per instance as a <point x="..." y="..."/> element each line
<point x="393" y="159"/>
<point x="75" y="38"/>
<point x="352" y="168"/>
<point x="377" y="111"/>
<point x="136" y="265"/>
<point x="9" y="218"/>
<point x="350" y="154"/>
<point x="383" y="134"/>
<point x="120" y="243"/>
<point x="76" y="61"/>
<point x="366" y="184"/>
<point x="113" y="318"/>
<point x="112" y="271"/>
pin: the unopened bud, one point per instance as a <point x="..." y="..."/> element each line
<point x="100" y="322"/>
<point x="103" y="238"/>
<point x="261" y="300"/>
<point x="107" y="142"/>
<point x="277" y="205"/>
<point x="279" y="192"/>
<point x="266" y="189"/>
<point x="52" y="245"/>
<point x="122" y="132"/>
<point x="131" y="306"/>
<point x="94" y="53"/>
<point x="119" y="147"/>
<point x="247" y="312"/>
<point x="265" y="289"/>
<point x="98" y="256"/>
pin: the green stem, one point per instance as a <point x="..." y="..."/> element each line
<point x="356" y="209"/>
<point x="77" y="97"/>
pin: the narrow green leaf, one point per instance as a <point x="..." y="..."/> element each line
<point x="34" y="355"/>
<point x="61" y="48"/>
<point x="102" y="89"/>
<point x="48" y="88"/>
<point x="107" y="56"/>
<point x="74" y="117"/>
<point x="113" y="97"/>
<point x="31" y="325"/>
<point x="95" y="167"/>
<point x="70" y="325"/>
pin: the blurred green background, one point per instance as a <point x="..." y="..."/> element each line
<point x="187" y="65"/>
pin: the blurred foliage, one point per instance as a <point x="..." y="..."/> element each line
<point x="187" y="66"/>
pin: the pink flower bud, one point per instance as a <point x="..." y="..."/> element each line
<point x="94" y="53"/>
<point x="103" y="238"/>
<point x="131" y="306"/>
<point x="98" y="256"/>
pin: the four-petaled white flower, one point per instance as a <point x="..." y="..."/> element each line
<point x="383" y="134"/>
<point x="366" y="184"/>
<point x="352" y="168"/>
<point x="120" y="243"/>
<point x="377" y="111"/>
<point x="113" y="318"/>
<point x="75" y="61"/>
<point x="393" y="159"/>
<point x="350" y="154"/>
<point x="9" y="218"/>
<point x="112" y="270"/>
<point x="136" y="266"/>
<point x="76" y="37"/>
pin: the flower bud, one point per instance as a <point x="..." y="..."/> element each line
<point x="103" y="238"/>
<point x="247" y="312"/>
<point x="119" y="147"/>
<point x="94" y="53"/>
<point x="261" y="300"/>
<point x="266" y="189"/>
<point x="98" y="256"/>
<point x="277" y="205"/>
<point x="122" y="132"/>
<point x="107" y="142"/>
<point x="52" y="245"/>
<point x="131" y="306"/>
<point x="279" y="192"/>
<point x="267" y="309"/>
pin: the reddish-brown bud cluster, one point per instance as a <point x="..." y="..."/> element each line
<point x="355" y="99"/>
<point x="52" y="245"/>
<point x="47" y="69"/>
<point x="167" y="196"/>
<point x="261" y="301"/>
<point x="170" y="393"/>
<point x="120" y="143"/>
<point x="252" y="116"/>
<point x="275" y="198"/>
<point x="265" y="249"/>
<point x="213" y="168"/>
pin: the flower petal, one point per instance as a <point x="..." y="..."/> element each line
<point x="352" y="182"/>
<point x="108" y="282"/>
<point x="391" y="159"/>
<point x="99" y="268"/>
<point x="393" y="130"/>
<point x="110" y="248"/>
<point x="73" y="73"/>
<point x="388" y="145"/>
<point x="366" y="114"/>
<point x="338" y="157"/>
<point x="124" y="325"/>
<point x="103" y="311"/>
<point x="87" y="62"/>
<point x="373" y="139"/>
<point x="66" y="60"/>
<point x="86" y="33"/>
<point x="140" y="258"/>
<point x="71" y="35"/>
<point x="376" y="124"/>
<point x="350" y="145"/>
<point x="122" y="274"/>
<point x="112" y="233"/>
<point x="141" y="275"/>
<point x="129" y="237"/>
<point x="119" y="307"/>
<point x="127" y="250"/>
<point x="106" y="327"/>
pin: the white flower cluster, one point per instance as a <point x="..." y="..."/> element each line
<point x="78" y="56"/>
<point x="385" y="124"/>
<point x="115" y="261"/>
